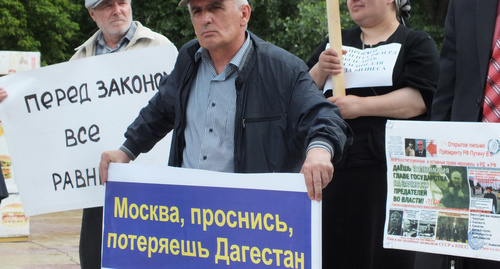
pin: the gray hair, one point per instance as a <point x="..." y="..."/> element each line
<point x="237" y="4"/>
<point x="240" y="3"/>
<point x="93" y="8"/>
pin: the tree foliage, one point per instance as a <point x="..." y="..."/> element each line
<point x="42" y="25"/>
<point x="56" y="27"/>
<point x="429" y="16"/>
<point x="293" y="25"/>
<point x="165" y="17"/>
<point x="298" y="27"/>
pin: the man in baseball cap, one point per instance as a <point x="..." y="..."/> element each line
<point x="117" y="32"/>
<point x="224" y="76"/>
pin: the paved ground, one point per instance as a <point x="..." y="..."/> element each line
<point x="52" y="243"/>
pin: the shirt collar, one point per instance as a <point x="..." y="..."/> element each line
<point x="123" y="42"/>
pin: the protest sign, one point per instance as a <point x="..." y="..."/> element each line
<point x="370" y="67"/>
<point x="159" y="216"/>
<point x="59" y="119"/>
<point x="443" y="183"/>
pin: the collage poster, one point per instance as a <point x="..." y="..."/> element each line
<point x="443" y="188"/>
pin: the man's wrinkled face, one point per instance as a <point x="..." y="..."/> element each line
<point x="218" y="23"/>
<point x="113" y="17"/>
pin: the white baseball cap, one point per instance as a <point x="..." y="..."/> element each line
<point x="92" y="3"/>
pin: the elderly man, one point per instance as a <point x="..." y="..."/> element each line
<point x="421" y="151"/>
<point x="117" y="32"/>
<point x="238" y="104"/>
<point x="395" y="223"/>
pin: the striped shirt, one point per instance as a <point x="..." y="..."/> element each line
<point x="211" y="112"/>
<point x="103" y="48"/>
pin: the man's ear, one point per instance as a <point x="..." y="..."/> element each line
<point x="92" y="13"/>
<point x="245" y="12"/>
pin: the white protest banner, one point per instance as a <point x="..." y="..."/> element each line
<point x="60" y="118"/>
<point x="443" y="187"/>
<point x="370" y="67"/>
<point x="185" y="218"/>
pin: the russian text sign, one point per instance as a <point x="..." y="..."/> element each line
<point x="370" y="67"/>
<point x="60" y="118"/>
<point x="159" y="216"/>
<point x="443" y="188"/>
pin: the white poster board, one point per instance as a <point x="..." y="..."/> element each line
<point x="14" y="224"/>
<point x="369" y="67"/>
<point x="439" y="201"/>
<point x="60" y="118"/>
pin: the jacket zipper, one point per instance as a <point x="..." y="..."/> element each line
<point x="250" y="120"/>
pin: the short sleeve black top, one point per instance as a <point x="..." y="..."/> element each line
<point x="417" y="66"/>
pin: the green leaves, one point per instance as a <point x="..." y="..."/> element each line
<point x="42" y="25"/>
<point x="56" y="27"/>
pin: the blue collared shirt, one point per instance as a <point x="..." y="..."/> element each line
<point x="103" y="48"/>
<point x="211" y="112"/>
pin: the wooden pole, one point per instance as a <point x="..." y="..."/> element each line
<point x="335" y="36"/>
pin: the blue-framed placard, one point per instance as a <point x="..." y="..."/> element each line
<point x="165" y="217"/>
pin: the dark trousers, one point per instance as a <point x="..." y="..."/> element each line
<point x="91" y="238"/>
<point x="353" y="222"/>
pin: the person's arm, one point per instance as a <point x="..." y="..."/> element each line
<point x="443" y="185"/>
<point x="414" y="86"/>
<point x="400" y="104"/>
<point x="318" y="172"/>
<point x="107" y="157"/>
<point x="326" y="133"/>
<point x="151" y="125"/>
<point x="328" y="64"/>
<point x="154" y="121"/>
